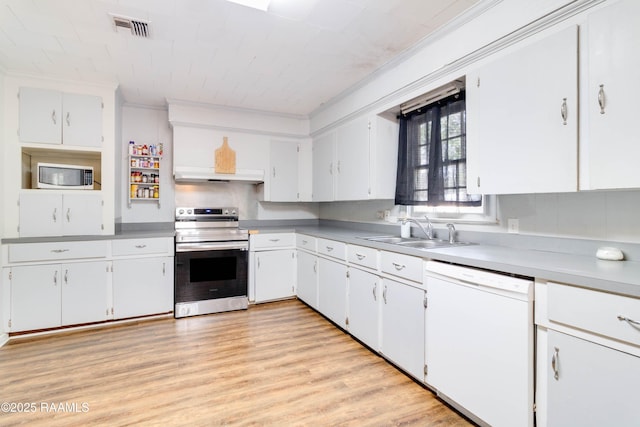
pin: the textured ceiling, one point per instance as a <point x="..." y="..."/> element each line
<point x="291" y="59"/>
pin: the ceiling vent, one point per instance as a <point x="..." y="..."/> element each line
<point x="137" y="27"/>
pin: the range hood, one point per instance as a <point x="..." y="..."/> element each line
<point x="197" y="174"/>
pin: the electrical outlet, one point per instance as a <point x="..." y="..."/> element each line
<point x="380" y="214"/>
<point x="387" y="214"/>
<point x="513" y="225"/>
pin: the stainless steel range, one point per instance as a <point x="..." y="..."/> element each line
<point x="211" y="261"/>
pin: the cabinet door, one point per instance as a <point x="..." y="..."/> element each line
<point x="142" y="286"/>
<point x="332" y="291"/>
<point x="35" y="297"/>
<point x="353" y="160"/>
<point x="596" y="385"/>
<point x="84" y="292"/>
<point x="403" y="335"/>
<point x="275" y="274"/>
<point x="323" y="167"/>
<point x="283" y="180"/>
<point x="41" y="214"/>
<point x="40" y="116"/>
<point x="82" y="120"/>
<point x="519" y="141"/>
<point x="307" y="279"/>
<point x="383" y="143"/>
<point x="82" y="214"/>
<point x="613" y="34"/>
<point x="364" y="295"/>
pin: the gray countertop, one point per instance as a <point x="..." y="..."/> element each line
<point x="622" y="277"/>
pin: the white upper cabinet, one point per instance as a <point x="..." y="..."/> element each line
<point x="612" y="96"/>
<point x="52" y="117"/>
<point x="357" y="161"/>
<point x="323" y="167"/>
<point x="283" y="172"/>
<point x="522" y="119"/>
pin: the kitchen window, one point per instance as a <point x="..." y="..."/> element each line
<point x="432" y="160"/>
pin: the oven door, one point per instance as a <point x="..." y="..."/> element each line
<point x="202" y="275"/>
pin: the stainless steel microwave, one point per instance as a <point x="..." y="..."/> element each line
<point x="64" y="177"/>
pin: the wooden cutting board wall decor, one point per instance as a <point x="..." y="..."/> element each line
<point x="225" y="161"/>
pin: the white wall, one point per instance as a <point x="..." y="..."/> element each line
<point x="145" y="125"/>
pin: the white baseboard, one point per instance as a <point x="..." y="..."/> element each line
<point x="4" y="338"/>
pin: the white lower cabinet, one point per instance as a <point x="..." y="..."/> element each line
<point x="53" y="295"/>
<point x="403" y="332"/>
<point x="364" y="307"/>
<point x="85" y="292"/>
<point x="307" y="278"/>
<point x="274" y="274"/>
<point x="142" y="286"/>
<point x="590" y="384"/>
<point x="332" y="291"/>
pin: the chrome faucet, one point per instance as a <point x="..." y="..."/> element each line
<point x="427" y="232"/>
<point x="452" y="233"/>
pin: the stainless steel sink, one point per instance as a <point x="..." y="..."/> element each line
<point x="414" y="242"/>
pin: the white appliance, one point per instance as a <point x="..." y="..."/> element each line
<point x="480" y="343"/>
<point x="65" y="177"/>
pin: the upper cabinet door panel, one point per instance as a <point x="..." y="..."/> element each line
<point x="353" y="160"/>
<point x="284" y="172"/>
<point x="613" y="93"/>
<point x="323" y="167"/>
<point x="40" y="116"/>
<point x="82" y="120"/>
<point x="523" y="119"/>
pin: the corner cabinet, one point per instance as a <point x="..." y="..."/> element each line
<point x="288" y="178"/>
<point x="144" y="178"/>
<point x="356" y="161"/>
<point x="522" y="119"/>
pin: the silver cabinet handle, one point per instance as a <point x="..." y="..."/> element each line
<point x="329" y="248"/>
<point x="331" y="168"/>
<point x="55" y="214"/>
<point x="339" y="166"/>
<point x="630" y="321"/>
<point x="68" y="214"/>
<point x="384" y="294"/>
<point x="601" y="99"/>
<point x="304" y="242"/>
<point x="141" y="246"/>
<point x="398" y="266"/>
<point x="274" y="240"/>
<point x="66" y="276"/>
<point x="375" y="289"/>
<point x="53" y="117"/>
<point x="55" y="278"/>
<point x="68" y="119"/>
<point x="315" y="266"/>
<point x="361" y="256"/>
<point x="555" y="362"/>
<point x="59" y="251"/>
<point x="274" y="171"/>
<point x="164" y="268"/>
<point x="258" y="261"/>
<point x="563" y="111"/>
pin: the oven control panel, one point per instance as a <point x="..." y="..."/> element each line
<point x="195" y="214"/>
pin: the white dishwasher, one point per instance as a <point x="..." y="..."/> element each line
<point x="479" y="346"/>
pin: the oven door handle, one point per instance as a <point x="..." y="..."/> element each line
<point x="211" y="246"/>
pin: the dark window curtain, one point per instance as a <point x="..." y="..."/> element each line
<point x="432" y="156"/>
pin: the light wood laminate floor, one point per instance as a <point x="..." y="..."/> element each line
<point x="277" y="364"/>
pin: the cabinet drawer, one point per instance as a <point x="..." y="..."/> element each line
<point x="272" y="240"/>
<point x="52" y="251"/>
<point x="406" y="266"/>
<point x="360" y="255"/>
<point x="306" y="242"/>
<point x="332" y="248"/>
<point x="594" y="311"/>
<point x="153" y="245"/>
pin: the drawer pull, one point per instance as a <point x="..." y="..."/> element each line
<point x="555" y="363"/>
<point x="59" y="251"/>
<point x="141" y="246"/>
<point x="375" y="289"/>
<point x="304" y="242"/>
<point x="361" y="256"/>
<point x="629" y="321"/>
<point x="274" y="240"/>
<point x="329" y="248"/>
<point x="384" y="293"/>
<point x="398" y="266"/>
<point x="601" y="99"/>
